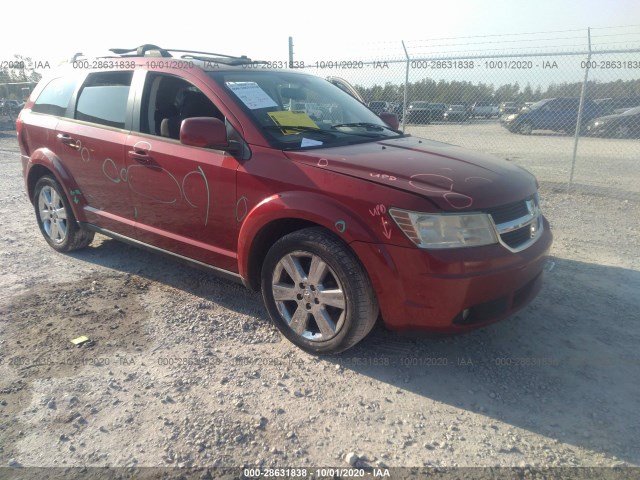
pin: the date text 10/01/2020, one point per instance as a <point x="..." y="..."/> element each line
<point x="315" y="472"/>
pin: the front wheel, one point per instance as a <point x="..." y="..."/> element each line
<point x="525" y="128"/>
<point x="55" y="217"/>
<point x="621" y="131"/>
<point x="317" y="292"/>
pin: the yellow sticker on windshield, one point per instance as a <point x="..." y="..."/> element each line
<point x="290" y="118"/>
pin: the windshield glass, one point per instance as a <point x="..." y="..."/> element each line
<point x="299" y="111"/>
<point x="540" y="103"/>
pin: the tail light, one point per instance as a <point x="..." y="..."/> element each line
<point x="21" y="134"/>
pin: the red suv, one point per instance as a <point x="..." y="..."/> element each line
<point x="336" y="218"/>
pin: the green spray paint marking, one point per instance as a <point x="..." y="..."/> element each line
<point x="341" y="226"/>
<point x="74" y="194"/>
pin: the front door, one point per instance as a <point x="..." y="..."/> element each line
<point x="183" y="197"/>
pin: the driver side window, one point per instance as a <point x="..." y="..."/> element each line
<point x="169" y="100"/>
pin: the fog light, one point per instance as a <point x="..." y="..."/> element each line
<point x="465" y="314"/>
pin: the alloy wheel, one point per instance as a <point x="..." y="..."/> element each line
<point x="53" y="214"/>
<point x="309" y="296"/>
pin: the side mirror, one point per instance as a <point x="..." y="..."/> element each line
<point x="390" y="119"/>
<point x="204" y="132"/>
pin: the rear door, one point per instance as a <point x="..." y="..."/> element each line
<point x="91" y="146"/>
<point x="184" y="197"/>
<point x="559" y="114"/>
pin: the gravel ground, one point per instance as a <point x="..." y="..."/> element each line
<point x="185" y="369"/>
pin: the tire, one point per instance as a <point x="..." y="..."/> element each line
<point x="55" y="217"/>
<point x="621" y="131"/>
<point x="525" y="128"/>
<point x="314" y="321"/>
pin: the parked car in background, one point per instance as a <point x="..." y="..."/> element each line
<point x="337" y="222"/>
<point x="526" y="105"/>
<point x="558" y="114"/>
<point x="437" y="110"/>
<point x="345" y="86"/>
<point x="456" y="113"/>
<point x="509" y="107"/>
<point x="621" y="125"/>
<point x="425" y="112"/>
<point x="617" y="105"/>
<point x="11" y="106"/>
<point x="398" y="109"/>
<point x="418" y="112"/>
<point x="484" y="109"/>
<point x="378" y="107"/>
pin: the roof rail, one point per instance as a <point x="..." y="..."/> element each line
<point x="142" y="50"/>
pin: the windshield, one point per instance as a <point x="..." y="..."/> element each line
<point x="300" y="111"/>
<point x="539" y="104"/>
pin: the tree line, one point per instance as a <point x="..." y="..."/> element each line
<point x="465" y="93"/>
<point x="16" y="74"/>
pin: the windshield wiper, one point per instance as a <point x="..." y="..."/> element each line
<point x="371" y="126"/>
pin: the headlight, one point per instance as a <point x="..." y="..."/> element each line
<point x="428" y="230"/>
<point x="512" y="116"/>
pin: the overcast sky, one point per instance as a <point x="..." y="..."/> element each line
<point x="46" y="30"/>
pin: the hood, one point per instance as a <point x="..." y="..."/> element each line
<point x="451" y="177"/>
<point x="606" y="118"/>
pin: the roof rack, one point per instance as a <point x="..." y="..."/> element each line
<point x="154" y="50"/>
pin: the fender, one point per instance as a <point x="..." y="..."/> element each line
<point x="46" y="158"/>
<point x="313" y="207"/>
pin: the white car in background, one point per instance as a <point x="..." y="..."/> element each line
<point x="485" y="109"/>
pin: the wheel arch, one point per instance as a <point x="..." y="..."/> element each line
<point x="285" y="213"/>
<point x="44" y="162"/>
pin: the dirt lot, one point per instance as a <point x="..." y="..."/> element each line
<point x="185" y="369"/>
<point x="602" y="165"/>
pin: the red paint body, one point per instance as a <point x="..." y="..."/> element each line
<point x="210" y="206"/>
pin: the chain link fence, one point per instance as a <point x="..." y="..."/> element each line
<point x="567" y="108"/>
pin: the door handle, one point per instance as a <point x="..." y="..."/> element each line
<point x="140" y="156"/>
<point x="67" y="140"/>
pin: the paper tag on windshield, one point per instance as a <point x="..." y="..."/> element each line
<point x="292" y="119"/>
<point x="307" y="142"/>
<point x="251" y="95"/>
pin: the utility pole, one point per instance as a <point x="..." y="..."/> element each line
<point x="290" y="52"/>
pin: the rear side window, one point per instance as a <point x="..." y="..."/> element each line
<point x="103" y="98"/>
<point x="55" y="97"/>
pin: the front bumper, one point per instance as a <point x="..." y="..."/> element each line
<point x="508" y="124"/>
<point x="430" y="290"/>
<point x="602" y="129"/>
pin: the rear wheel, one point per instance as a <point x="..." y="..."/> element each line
<point x="317" y="293"/>
<point x="55" y="217"/>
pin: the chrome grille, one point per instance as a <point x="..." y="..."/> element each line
<point x="508" y="212"/>
<point x="518" y="224"/>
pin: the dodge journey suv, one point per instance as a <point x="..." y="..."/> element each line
<point x="339" y="219"/>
